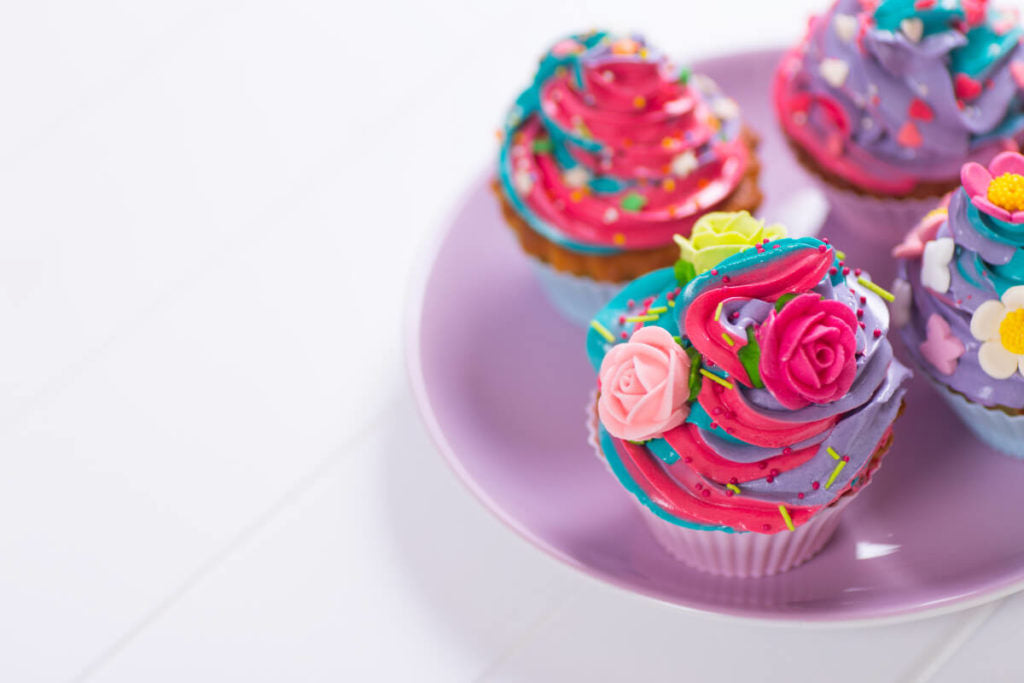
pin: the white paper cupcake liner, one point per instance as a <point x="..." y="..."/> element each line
<point x="742" y="554"/>
<point x="882" y="221"/>
<point x="746" y="555"/>
<point x="577" y="298"/>
<point x="1002" y="432"/>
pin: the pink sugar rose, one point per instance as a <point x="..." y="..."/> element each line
<point x="807" y="351"/>
<point x="644" y="386"/>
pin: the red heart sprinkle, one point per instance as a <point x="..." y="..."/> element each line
<point x="920" y="110"/>
<point x="966" y="88"/>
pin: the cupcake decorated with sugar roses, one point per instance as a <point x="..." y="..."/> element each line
<point x="961" y="300"/>
<point x="745" y="395"/>
<point x="610" y="152"/>
<point x="884" y="101"/>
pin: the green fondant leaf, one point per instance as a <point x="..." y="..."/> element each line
<point x="783" y="300"/>
<point x="684" y="272"/>
<point x="750" y="357"/>
<point x="695" y="379"/>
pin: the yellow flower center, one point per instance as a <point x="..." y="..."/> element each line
<point x="1007" y="192"/>
<point x="1011" y="331"/>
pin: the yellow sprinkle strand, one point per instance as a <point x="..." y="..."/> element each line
<point x="715" y="378"/>
<point x="831" y="451"/>
<point x="718" y="311"/>
<point x="603" y="331"/>
<point x="786" y="518"/>
<point x="733" y="487"/>
<point x="641" y="319"/>
<point x="658" y="309"/>
<point x="728" y="339"/>
<point x="841" y="255"/>
<point x="672" y="303"/>
<point x="868" y="284"/>
<point x="835" y="473"/>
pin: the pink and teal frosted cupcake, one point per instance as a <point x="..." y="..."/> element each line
<point x="961" y="300"/>
<point x="610" y="152"/>
<point x="885" y="101"/>
<point x="743" y="401"/>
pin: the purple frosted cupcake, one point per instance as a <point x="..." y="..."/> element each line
<point x="885" y="101"/>
<point x="960" y="300"/>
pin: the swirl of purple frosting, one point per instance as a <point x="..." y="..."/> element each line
<point x="887" y="96"/>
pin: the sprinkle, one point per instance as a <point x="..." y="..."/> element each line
<point x="785" y="516"/>
<point x="733" y="487"/>
<point x="728" y="339"/>
<point x="639" y="102"/>
<point x="868" y="284"/>
<point x="542" y="145"/>
<point x="715" y="378"/>
<point x="835" y="473"/>
<point x="642" y="319"/>
<point x="831" y="451"/>
<point x="718" y="311"/>
<point x="619" y="238"/>
<point x="633" y="202"/>
<point x="672" y="303"/>
<point x="603" y="331"/>
<point x="841" y="255"/>
<point x="658" y="309"/>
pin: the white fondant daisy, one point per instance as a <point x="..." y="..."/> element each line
<point x="1000" y="325"/>
<point x="935" y="264"/>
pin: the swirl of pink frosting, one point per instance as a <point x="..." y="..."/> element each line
<point x="644" y="153"/>
<point x="644" y="386"/>
<point x="807" y="351"/>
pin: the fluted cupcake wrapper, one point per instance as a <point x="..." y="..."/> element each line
<point x="577" y="298"/>
<point x="882" y="220"/>
<point x="1003" y="432"/>
<point x="741" y="554"/>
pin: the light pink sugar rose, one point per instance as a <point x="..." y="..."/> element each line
<point x="644" y="386"/>
<point x="808" y="351"/>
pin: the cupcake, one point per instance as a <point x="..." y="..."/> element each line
<point x="885" y="101"/>
<point x="960" y="300"/>
<point x="743" y="402"/>
<point x="608" y="154"/>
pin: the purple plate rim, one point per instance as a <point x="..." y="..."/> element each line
<point x="984" y="593"/>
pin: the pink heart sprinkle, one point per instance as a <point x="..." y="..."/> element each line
<point x="909" y="136"/>
<point x="1017" y="71"/>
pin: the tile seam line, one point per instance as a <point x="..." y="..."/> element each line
<point x="295" y="494"/>
<point x="947" y="648"/>
<point x="528" y="636"/>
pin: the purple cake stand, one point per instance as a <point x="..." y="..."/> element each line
<point x="502" y="383"/>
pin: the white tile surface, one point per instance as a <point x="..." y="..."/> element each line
<point x="207" y="216"/>
<point x="386" y="569"/>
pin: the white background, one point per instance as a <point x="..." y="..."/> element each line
<point x="212" y="466"/>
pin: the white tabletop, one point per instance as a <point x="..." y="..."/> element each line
<point x="212" y="466"/>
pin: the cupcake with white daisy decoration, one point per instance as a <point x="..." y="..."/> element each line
<point x="610" y="152"/>
<point x="961" y="299"/>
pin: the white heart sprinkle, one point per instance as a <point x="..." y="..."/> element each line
<point x="913" y="28"/>
<point x="684" y="164"/>
<point x="834" y="71"/>
<point x="577" y="176"/>
<point x="611" y="215"/>
<point x="846" y="27"/>
<point x="725" y="108"/>
<point x="522" y="181"/>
